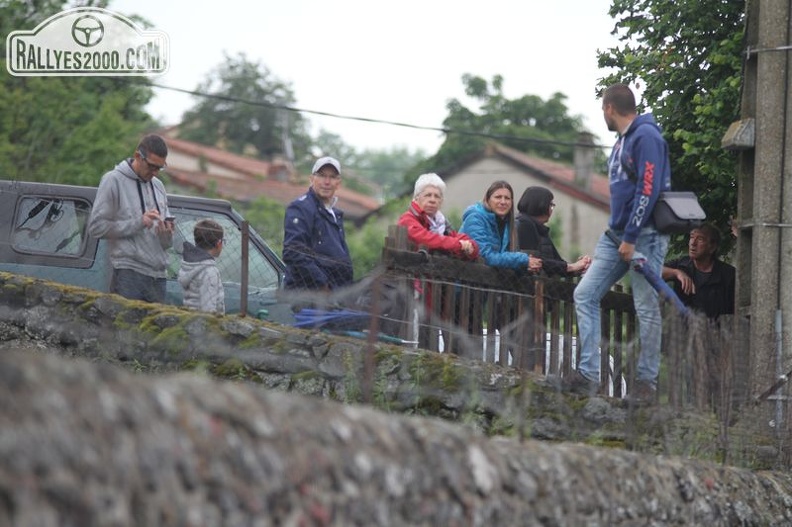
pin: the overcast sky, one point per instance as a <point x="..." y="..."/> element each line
<point x="391" y="61"/>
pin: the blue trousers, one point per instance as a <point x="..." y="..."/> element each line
<point x="606" y="269"/>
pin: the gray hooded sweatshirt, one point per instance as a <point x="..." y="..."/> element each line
<point x="200" y="280"/>
<point x="117" y="214"/>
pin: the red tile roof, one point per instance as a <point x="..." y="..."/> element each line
<point x="557" y="175"/>
<point x="353" y="204"/>
<point x="255" y="178"/>
<point x="246" y="165"/>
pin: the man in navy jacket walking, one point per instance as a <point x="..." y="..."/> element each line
<point x="314" y="245"/>
<point x="638" y="171"/>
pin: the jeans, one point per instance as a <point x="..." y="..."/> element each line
<point x="606" y="269"/>
<point x="136" y="286"/>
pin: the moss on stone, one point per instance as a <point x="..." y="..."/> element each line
<point x="501" y="426"/>
<point x="306" y="376"/>
<point x="253" y="341"/>
<point x="436" y="370"/>
<point x="488" y="397"/>
<point x="607" y="443"/>
<point x="12" y="288"/>
<point x="197" y="366"/>
<point x="353" y="391"/>
<point x="280" y="347"/>
<point x="173" y="340"/>
<point x="389" y="356"/>
<point x="234" y="369"/>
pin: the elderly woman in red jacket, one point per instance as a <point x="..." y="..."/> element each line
<point x="426" y="226"/>
<point x="428" y="229"/>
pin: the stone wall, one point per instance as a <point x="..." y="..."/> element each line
<point x="89" y="444"/>
<point x="152" y="338"/>
<point x="75" y="416"/>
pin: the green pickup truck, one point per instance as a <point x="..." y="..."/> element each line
<point x="44" y="234"/>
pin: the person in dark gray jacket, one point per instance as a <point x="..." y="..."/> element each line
<point x="536" y="206"/>
<point x="199" y="276"/>
<point x="131" y="210"/>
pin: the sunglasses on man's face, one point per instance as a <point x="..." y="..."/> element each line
<point x="152" y="166"/>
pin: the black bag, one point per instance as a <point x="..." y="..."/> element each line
<point x="677" y="213"/>
<point x="674" y="212"/>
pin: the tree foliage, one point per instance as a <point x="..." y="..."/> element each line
<point x="687" y="58"/>
<point x="64" y="129"/>
<point x="243" y="112"/>
<point x="266" y="217"/>
<point x="527" y="123"/>
<point x="365" y="243"/>
<point x="387" y="168"/>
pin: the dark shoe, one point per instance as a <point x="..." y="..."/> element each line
<point x="643" y="392"/>
<point x="580" y="385"/>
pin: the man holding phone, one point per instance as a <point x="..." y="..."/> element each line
<point x="131" y="210"/>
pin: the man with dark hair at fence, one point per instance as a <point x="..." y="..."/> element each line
<point x="702" y="281"/>
<point x="131" y="210"/>
<point x="638" y="170"/>
<point x="706" y="284"/>
<point x="314" y="245"/>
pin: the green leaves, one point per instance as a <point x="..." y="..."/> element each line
<point x="68" y="129"/>
<point x="526" y="123"/>
<point x="244" y="113"/>
<point x="64" y="129"/>
<point x="687" y="57"/>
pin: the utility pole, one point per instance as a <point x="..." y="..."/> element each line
<point x="764" y="245"/>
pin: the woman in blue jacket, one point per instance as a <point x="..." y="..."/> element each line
<point x="491" y="224"/>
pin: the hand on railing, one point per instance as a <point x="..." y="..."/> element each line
<point x="534" y="264"/>
<point x="467" y="246"/>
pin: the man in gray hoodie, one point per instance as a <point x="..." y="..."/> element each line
<point x="131" y="210"/>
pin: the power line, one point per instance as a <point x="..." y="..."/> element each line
<point x="449" y="131"/>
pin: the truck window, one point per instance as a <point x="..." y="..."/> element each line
<point x="46" y="225"/>
<point x="261" y="274"/>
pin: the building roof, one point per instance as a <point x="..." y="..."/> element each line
<point x="246" y="165"/>
<point x="556" y="175"/>
<point x="247" y="178"/>
<point x="353" y="204"/>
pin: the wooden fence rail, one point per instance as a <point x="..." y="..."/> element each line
<point x="529" y="322"/>
<point x="501" y="315"/>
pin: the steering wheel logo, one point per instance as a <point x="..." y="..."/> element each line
<point x="87" y="31"/>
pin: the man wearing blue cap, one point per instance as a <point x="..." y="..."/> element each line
<point x="314" y="245"/>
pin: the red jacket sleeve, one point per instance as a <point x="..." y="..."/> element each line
<point x="475" y="253"/>
<point x="422" y="237"/>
